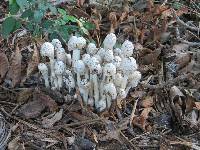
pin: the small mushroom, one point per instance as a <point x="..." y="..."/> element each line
<point x="79" y="69"/>
<point x="84" y="90"/>
<point x="109" y="41"/>
<point x="91" y="49"/>
<point x="56" y="43"/>
<point x="72" y="43"/>
<point x="61" y="55"/>
<point x="69" y="80"/>
<point x="110" y="92"/>
<point x="44" y="71"/>
<point x="127" y="48"/>
<point x="59" y="71"/>
<point x="47" y="49"/>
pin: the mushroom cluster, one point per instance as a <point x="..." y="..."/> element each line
<point x="102" y="75"/>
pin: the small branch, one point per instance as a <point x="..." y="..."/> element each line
<point x="133" y="112"/>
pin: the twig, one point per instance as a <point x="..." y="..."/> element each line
<point x="133" y="111"/>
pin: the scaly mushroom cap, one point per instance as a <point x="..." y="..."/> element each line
<point x="91" y="49"/>
<point x="101" y="52"/>
<point x="92" y="62"/>
<point x="80" y="43"/>
<point x="127" y="48"/>
<point x="110" y="90"/>
<point x="128" y="65"/>
<point x="86" y="58"/>
<point x="60" y="53"/>
<point x="108" y="56"/>
<point x="109" y="69"/>
<point x="135" y="78"/>
<point x="98" y="58"/>
<point x="59" y="67"/>
<point x="84" y="83"/>
<point x="43" y="68"/>
<point x="117" y="61"/>
<point x="72" y="43"/>
<point x="117" y="52"/>
<point x="47" y="49"/>
<point x="56" y="43"/>
<point x="79" y="67"/>
<point x="110" y="41"/>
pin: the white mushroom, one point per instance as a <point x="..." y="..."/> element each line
<point x="110" y="93"/>
<point x="80" y="44"/>
<point x="56" y="43"/>
<point x="108" y="56"/>
<point x="91" y="49"/>
<point x="117" y="52"/>
<point x="110" y="41"/>
<point x="69" y="80"/>
<point x="84" y="90"/>
<point x="72" y="43"/>
<point x="61" y="55"/>
<point x="101" y="105"/>
<point x="69" y="59"/>
<point x="47" y="49"/>
<point x="59" y="71"/>
<point x="44" y="71"/>
<point x="79" y="69"/>
<point x="134" y="79"/>
<point x="128" y="66"/>
<point x="127" y="48"/>
<point x="117" y="61"/>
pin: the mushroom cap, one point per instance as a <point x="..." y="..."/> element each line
<point x="108" y="56"/>
<point x="98" y="58"/>
<point x="92" y="62"/>
<point x="79" y="67"/>
<point x="117" y="52"/>
<point x="80" y="42"/>
<point x="110" y="41"/>
<point x="56" y="43"/>
<point x="101" y="52"/>
<point x="127" y="48"/>
<point x="43" y="68"/>
<point x="72" y="43"/>
<point x="121" y="93"/>
<point x="109" y="69"/>
<point x="47" y="49"/>
<point x="111" y="90"/>
<point x="128" y="65"/>
<point x="60" y="53"/>
<point x="84" y="83"/>
<point x="86" y="58"/>
<point x="91" y="49"/>
<point x="59" y="67"/>
<point x="117" y="61"/>
<point x="135" y="78"/>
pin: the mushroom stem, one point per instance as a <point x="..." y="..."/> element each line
<point x="75" y="56"/>
<point x="124" y="81"/>
<point x="60" y="81"/>
<point x="96" y="88"/>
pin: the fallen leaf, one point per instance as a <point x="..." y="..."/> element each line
<point x="4" y="66"/>
<point x="14" y="72"/>
<point x="15" y="144"/>
<point x="32" y="65"/>
<point x="50" y="120"/>
<point x="182" y="60"/>
<point x="180" y="48"/>
<point x="147" y="102"/>
<point x="113" y="20"/>
<point x="197" y="105"/>
<point x="24" y="95"/>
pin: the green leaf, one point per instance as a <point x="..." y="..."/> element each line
<point x="8" y="26"/>
<point x="62" y="11"/>
<point x="68" y="18"/>
<point x="89" y="26"/>
<point x="22" y="3"/>
<point x="13" y="8"/>
<point x="47" y="24"/>
<point x="17" y="25"/>
<point x="53" y="10"/>
<point x="64" y="32"/>
<point x="27" y="14"/>
<point x="38" y="15"/>
<point x="30" y="26"/>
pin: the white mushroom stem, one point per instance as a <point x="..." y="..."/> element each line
<point x="44" y="71"/>
<point x="53" y="76"/>
<point x="96" y="88"/>
<point x="59" y="71"/>
<point x="84" y="90"/>
<point x="75" y="56"/>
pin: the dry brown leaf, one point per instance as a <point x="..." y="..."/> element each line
<point x="113" y="20"/>
<point x="4" y="66"/>
<point x="197" y="105"/>
<point x="147" y="102"/>
<point x="183" y="60"/>
<point x="180" y="48"/>
<point x="50" y="120"/>
<point x="14" y="72"/>
<point x="15" y="144"/>
<point x="24" y="95"/>
<point x="32" y="65"/>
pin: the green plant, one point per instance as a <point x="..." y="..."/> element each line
<point x="39" y="17"/>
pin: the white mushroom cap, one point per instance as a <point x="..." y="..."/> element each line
<point x="101" y="52"/>
<point x="98" y="58"/>
<point x="91" y="49"/>
<point x="117" y="61"/>
<point x="59" y="67"/>
<point x="79" y="67"/>
<point x="128" y="65"/>
<point x="56" y="43"/>
<point x="69" y="79"/>
<point x="117" y="52"/>
<point x="47" y="49"/>
<point x="110" y="41"/>
<point x="72" y="43"/>
<point x="43" y="68"/>
<point x="109" y="69"/>
<point x="86" y="58"/>
<point x="92" y="62"/>
<point x="111" y="90"/>
<point x="61" y="55"/>
<point x="135" y="78"/>
<point x="80" y="43"/>
<point x="108" y="56"/>
<point x="127" y="48"/>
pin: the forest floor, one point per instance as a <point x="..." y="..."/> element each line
<point x="162" y="112"/>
